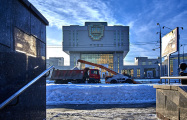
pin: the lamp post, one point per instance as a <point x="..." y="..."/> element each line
<point x="160" y="54"/>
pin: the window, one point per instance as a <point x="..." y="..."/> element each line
<point x="125" y="71"/>
<point x="138" y="72"/>
<point x="143" y="63"/>
<point x="69" y="35"/>
<point x="114" y="36"/>
<point x="132" y="72"/>
<point x="118" y="63"/>
<point x="171" y="67"/>
<point x="74" y="61"/>
<point x="118" y="35"/>
<point x="150" y="63"/>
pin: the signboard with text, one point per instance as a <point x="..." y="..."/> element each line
<point x="170" y="42"/>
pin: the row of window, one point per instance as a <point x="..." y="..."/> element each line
<point x="97" y="45"/>
<point x="119" y="44"/>
<point x="73" y="44"/>
<point x="144" y="63"/>
<point x="74" y="38"/>
<point x="131" y="72"/>
<point x="148" y="72"/>
<point x="119" y="36"/>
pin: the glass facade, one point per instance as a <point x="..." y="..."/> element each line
<point x="102" y="59"/>
<point x="182" y="59"/>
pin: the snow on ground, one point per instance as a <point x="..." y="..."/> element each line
<point x="100" y="94"/>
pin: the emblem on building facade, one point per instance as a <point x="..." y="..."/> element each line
<point x="96" y="31"/>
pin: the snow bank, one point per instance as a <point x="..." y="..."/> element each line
<point x="100" y="94"/>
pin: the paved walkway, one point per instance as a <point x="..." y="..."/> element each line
<point x="102" y="112"/>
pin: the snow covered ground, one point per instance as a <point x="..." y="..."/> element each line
<point x="57" y="94"/>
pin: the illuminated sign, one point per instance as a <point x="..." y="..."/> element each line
<point x="170" y="43"/>
<point x="96" y="31"/>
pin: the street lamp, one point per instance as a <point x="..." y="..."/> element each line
<point x="167" y="28"/>
<point x="160" y="54"/>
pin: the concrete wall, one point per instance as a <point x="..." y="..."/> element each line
<point x="22" y="58"/>
<point x="171" y="102"/>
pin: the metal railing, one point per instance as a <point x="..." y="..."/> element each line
<point x="174" y="77"/>
<point x="15" y="95"/>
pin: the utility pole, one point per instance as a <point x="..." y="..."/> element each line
<point x="160" y="53"/>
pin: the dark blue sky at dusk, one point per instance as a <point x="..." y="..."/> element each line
<point x="141" y="15"/>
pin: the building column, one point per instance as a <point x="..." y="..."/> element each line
<point x="73" y="59"/>
<point x="115" y="62"/>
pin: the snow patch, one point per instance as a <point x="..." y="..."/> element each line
<point x="100" y="94"/>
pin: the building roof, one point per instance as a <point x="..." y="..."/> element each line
<point x="88" y="23"/>
<point x="35" y="11"/>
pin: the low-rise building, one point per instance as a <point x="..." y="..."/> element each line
<point x="143" y="68"/>
<point x="56" y="61"/>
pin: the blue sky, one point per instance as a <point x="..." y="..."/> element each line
<point x="141" y="15"/>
